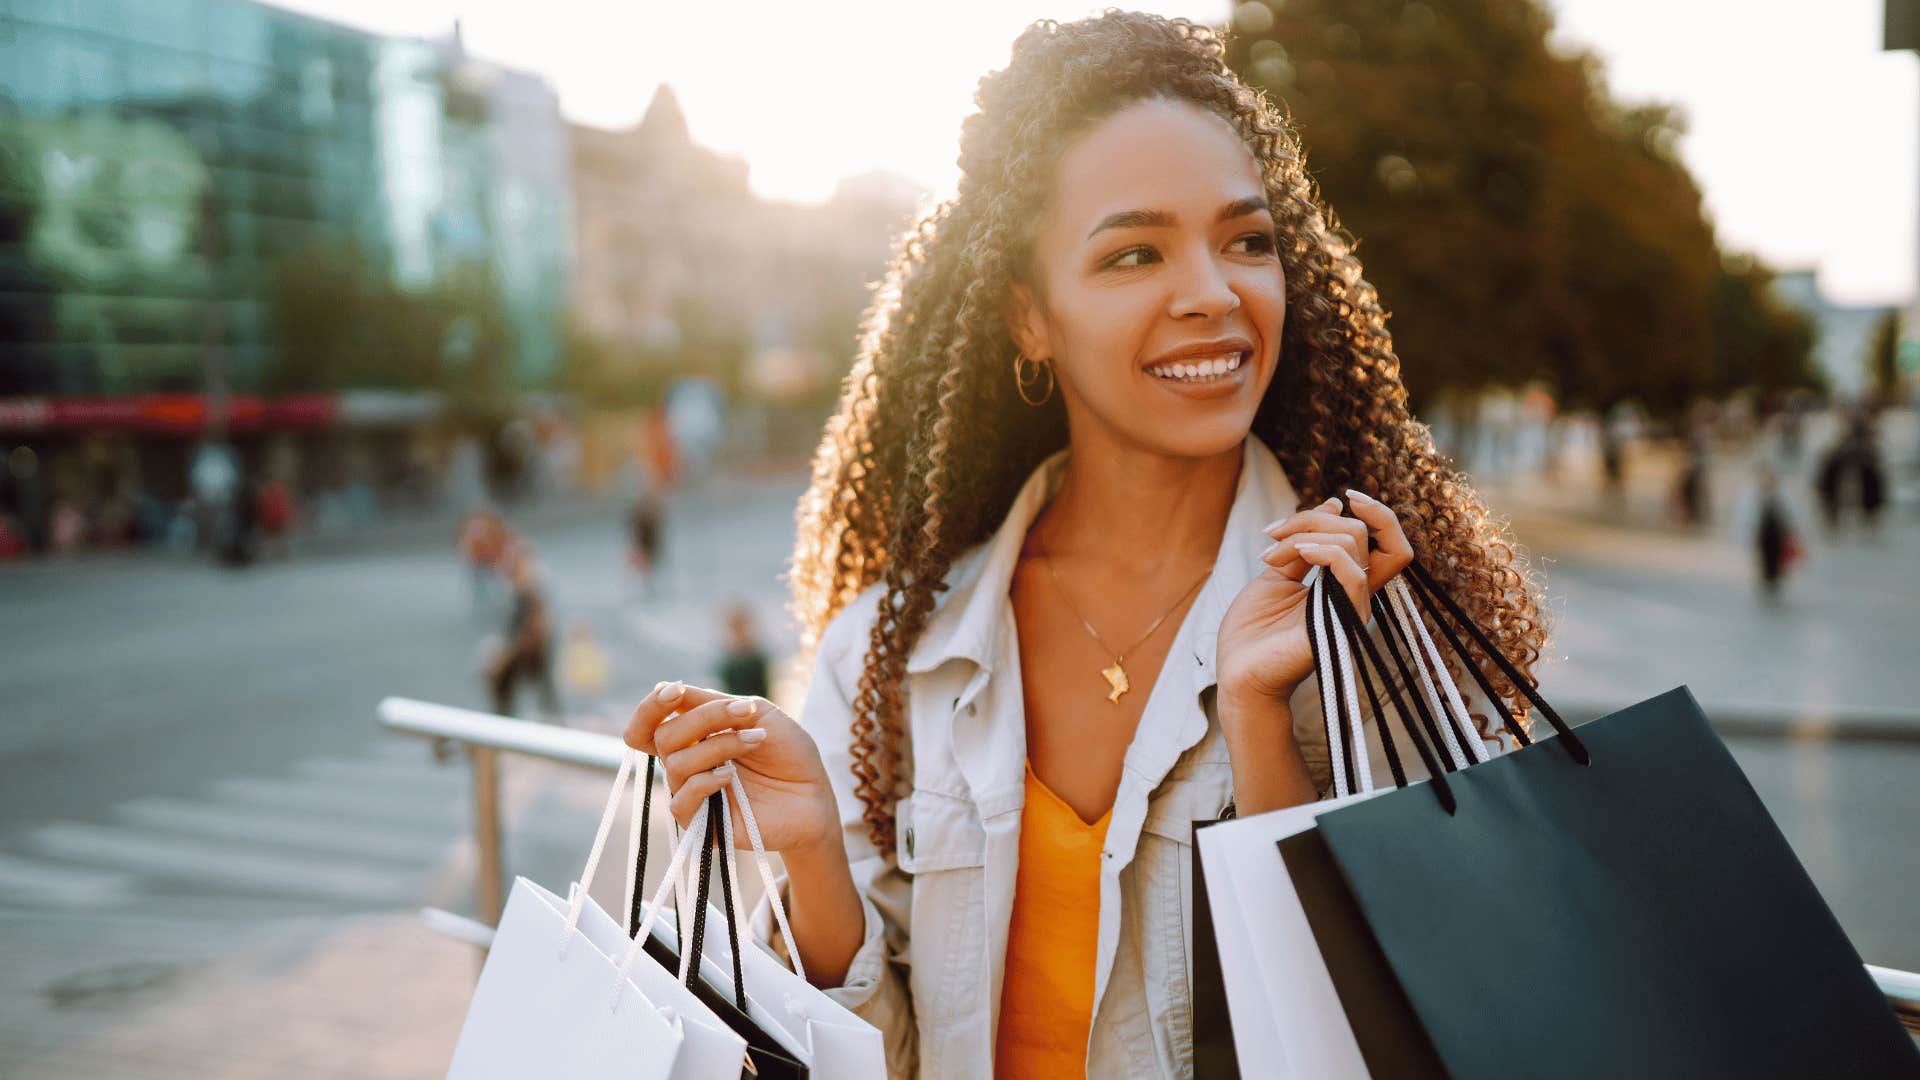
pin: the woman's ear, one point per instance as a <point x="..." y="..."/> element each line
<point x="1027" y="324"/>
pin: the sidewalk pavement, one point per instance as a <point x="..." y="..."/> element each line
<point x="371" y="998"/>
<point x="1639" y="605"/>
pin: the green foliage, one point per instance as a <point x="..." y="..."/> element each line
<point x="1883" y="366"/>
<point x="606" y="375"/>
<point x="1758" y="341"/>
<point x="1518" y="223"/>
<point x="340" y="324"/>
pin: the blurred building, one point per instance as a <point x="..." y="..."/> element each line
<point x="161" y="161"/>
<point x="681" y="270"/>
<point x="1842" y="333"/>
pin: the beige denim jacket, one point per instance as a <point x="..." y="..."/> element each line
<point x="937" y="904"/>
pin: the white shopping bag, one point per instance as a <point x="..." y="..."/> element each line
<point x="551" y="1003"/>
<point x="1286" y="1015"/>
<point x="555" y="998"/>
<point x="815" y="1030"/>
<point x="711" y="1050"/>
<point x="836" y="1044"/>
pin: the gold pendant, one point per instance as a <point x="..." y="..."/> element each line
<point x="1117" y="678"/>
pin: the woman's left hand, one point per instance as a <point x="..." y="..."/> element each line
<point x="1262" y="655"/>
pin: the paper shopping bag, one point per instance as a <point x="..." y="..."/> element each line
<point x="1623" y="880"/>
<point x="1647" y="908"/>
<point x="552" y="1003"/>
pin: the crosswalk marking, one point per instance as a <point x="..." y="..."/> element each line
<point x="330" y="829"/>
<point x="312" y="796"/>
<point x="385" y="775"/>
<point x="274" y="829"/>
<point x="293" y="874"/>
<point x="38" y="881"/>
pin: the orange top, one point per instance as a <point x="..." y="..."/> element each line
<point x="1046" y="997"/>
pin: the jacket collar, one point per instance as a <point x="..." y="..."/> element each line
<point x="969" y="620"/>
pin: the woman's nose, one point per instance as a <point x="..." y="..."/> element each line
<point x="1204" y="290"/>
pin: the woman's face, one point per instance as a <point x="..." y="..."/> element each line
<point x="1161" y="293"/>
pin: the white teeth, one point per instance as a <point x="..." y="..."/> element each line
<point x="1201" y="369"/>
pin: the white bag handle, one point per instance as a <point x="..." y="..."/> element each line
<point x="1407" y="615"/>
<point x="579" y="900"/>
<point x="1333" y="650"/>
<point x="1338" y="684"/>
<point x="682" y="865"/>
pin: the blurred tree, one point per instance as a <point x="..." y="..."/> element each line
<point x="603" y="375"/>
<point x="714" y="343"/>
<point x="340" y="324"/>
<point x="1518" y="223"/>
<point x="1883" y="360"/>
<point x="1758" y="341"/>
<point x="319" y="304"/>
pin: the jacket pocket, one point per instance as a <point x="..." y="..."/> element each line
<point x="941" y="842"/>
<point x="936" y="831"/>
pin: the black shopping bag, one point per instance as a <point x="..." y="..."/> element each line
<point x="1391" y="1038"/>
<point x="1354" y="977"/>
<point x="1213" y="1053"/>
<point x="1612" y="902"/>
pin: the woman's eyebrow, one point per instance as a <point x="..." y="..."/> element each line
<point x="1162" y="219"/>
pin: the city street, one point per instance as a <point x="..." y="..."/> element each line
<point x="211" y="855"/>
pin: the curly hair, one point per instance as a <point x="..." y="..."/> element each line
<point x="930" y="444"/>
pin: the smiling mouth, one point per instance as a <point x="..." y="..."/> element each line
<point x="1203" y="370"/>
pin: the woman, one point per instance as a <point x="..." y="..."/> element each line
<point x="1052" y="562"/>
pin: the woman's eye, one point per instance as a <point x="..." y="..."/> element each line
<point x="1133" y="257"/>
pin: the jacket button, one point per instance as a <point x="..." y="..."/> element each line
<point x="909" y="841"/>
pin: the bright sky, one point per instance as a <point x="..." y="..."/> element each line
<point x="1804" y="134"/>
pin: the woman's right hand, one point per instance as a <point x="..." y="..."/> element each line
<point x="702" y="737"/>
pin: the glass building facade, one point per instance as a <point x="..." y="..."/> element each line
<point x="162" y="160"/>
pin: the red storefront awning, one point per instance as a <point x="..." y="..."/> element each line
<point x="182" y="414"/>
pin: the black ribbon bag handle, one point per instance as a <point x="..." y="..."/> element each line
<point x="1332" y="600"/>
<point x="716" y="834"/>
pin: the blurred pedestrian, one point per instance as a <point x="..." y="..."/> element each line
<point x="662" y="450"/>
<point x="1613" y="463"/>
<point x="275" y="502"/>
<point x="743" y="666"/>
<point x="240" y="542"/>
<point x="528" y="640"/>
<point x="1852" y="473"/>
<point x="1778" y="545"/>
<point x="643" y="535"/>
<point x="484" y="538"/>
<point x="1690" y="495"/>
<point x="68" y="530"/>
<point x="13" y="538"/>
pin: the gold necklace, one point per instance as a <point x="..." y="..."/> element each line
<point x="1116" y="675"/>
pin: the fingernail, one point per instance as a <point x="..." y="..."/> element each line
<point x="1334" y="501"/>
<point x="1312" y="548"/>
<point x="1267" y="555"/>
<point x="754" y="736"/>
<point x="726" y="771"/>
<point x="741" y="707"/>
<point x="672" y="691"/>
<point x="1359" y="496"/>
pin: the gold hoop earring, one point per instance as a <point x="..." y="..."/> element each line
<point x="1024" y="381"/>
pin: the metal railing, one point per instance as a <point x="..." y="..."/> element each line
<point x="485" y="737"/>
